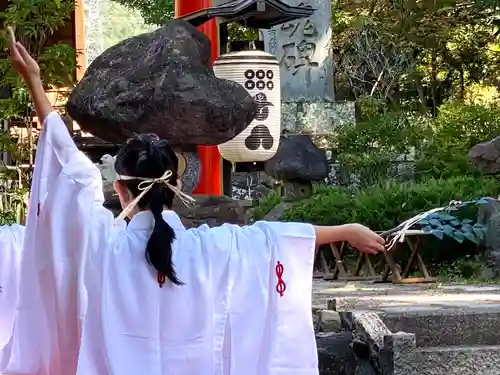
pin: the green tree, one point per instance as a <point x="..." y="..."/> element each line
<point x="406" y="50"/>
<point x="154" y="12"/>
<point x="157" y="12"/>
<point x="34" y="23"/>
<point x="412" y="54"/>
<point x="120" y="22"/>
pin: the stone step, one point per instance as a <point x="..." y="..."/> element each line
<point x="455" y="360"/>
<point x="458" y="315"/>
<point x="448" y="327"/>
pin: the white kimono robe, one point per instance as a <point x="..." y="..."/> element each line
<point x="91" y="305"/>
<point x="11" y="242"/>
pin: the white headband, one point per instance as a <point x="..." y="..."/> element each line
<point x="108" y="171"/>
<point x="146" y="185"/>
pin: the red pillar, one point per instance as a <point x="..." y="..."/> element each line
<point x="211" y="168"/>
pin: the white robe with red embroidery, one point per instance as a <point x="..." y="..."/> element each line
<point x="11" y="242"/>
<point x="90" y="304"/>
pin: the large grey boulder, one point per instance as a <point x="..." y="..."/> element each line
<point x="160" y="82"/>
<point x="297" y="159"/>
<point x="485" y="156"/>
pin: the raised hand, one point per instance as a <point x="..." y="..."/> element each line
<point x="28" y="68"/>
<point x="21" y="60"/>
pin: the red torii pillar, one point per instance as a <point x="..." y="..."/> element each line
<point x="211" y="164"/>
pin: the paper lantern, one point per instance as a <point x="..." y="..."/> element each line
<point x="259" y="73"/>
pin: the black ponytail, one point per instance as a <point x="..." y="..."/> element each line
<point x="146" y="156"/>
<point x="159" y="247"/>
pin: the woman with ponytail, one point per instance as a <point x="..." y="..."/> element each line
<point x="99" y="296"/>
<point x="142" y="158"/>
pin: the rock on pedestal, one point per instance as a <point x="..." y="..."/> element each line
<point x="297" y="162"/>
<point x="160" y="82"/>
<point x="297" y="158"/>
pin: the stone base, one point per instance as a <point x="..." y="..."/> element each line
<point x="208" y="209"/>
<point x="251" y="185"/>
<point x="212" y="210"/>
<point x="431" y="347"/>
<point x="316" y="117"/>
<point x="335" y="354"/>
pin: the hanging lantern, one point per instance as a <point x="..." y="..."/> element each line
<point x="259" y="73"/>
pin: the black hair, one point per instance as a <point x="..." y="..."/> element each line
<point x="147" y="156"/>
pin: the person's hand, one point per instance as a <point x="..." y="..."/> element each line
<point x="364" y="239"/>
<point x="21" y="60"/>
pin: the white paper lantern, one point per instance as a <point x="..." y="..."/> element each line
<point x="259" y="73"/>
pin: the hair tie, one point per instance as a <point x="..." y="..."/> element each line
<point x="146" y="184"/>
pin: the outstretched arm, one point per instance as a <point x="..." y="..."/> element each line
<point x="359" y="236"/>
<point x="28" y="69"/>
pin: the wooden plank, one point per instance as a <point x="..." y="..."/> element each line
<point x="338" y="256"/>
<point x="324" y="270"/>
<point x="414" y="248"/>
<point x="364" y="264"/>
<point x="392" y="267"/>
<point x="414" y="243"/>
<point x="358" y="278"/>
<point x="417" y="280"/>
<point x="79" y="36"/>
<point x="323" y="262"/>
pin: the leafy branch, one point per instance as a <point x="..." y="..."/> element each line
<point x="439" y="222"/>
<point x="35" y="24"/>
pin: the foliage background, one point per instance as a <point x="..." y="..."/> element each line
<point x="34" y="24"/>
<point x="425" y="76"/>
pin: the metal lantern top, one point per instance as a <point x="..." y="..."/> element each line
<point x="258" y="14"/>
<point x="248" y="57"/>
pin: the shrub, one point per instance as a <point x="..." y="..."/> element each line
<point x="371" y="150"/>
<point x="385" y="205"/>
<point x="455" y="130"/>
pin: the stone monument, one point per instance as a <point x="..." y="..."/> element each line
<point x="307" y="66"/>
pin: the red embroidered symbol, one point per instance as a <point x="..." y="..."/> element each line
<point x="280" y="286"/>
<point x="38" y="209"/>
<point x="161" y="279"/>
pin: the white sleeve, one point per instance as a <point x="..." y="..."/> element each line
<point x="269" y="286"/>
<point x="65" y="194"/>
<point x="289" y="320"/>
<point x="11" y="242"/>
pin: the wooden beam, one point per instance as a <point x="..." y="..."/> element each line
<point x="79" y="33"/>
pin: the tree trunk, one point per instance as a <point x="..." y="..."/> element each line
<point x="421" y="95"/>
<point x="434" y="83"/>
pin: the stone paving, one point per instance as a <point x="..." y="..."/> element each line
<point x="390" y="297"/>
<point x="417" y="329"/>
